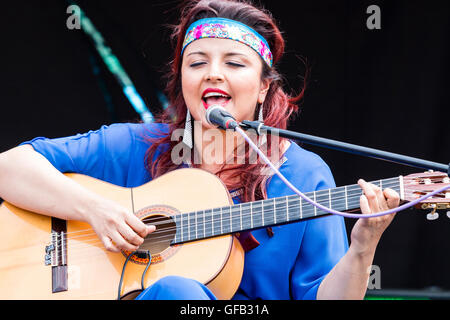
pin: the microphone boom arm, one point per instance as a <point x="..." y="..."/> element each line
<point x="346" y="147"/>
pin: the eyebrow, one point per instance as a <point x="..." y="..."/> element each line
<point x="229" y="54"/>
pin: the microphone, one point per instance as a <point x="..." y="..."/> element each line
<point x="217" y="115"/>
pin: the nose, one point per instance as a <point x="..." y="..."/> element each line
<point x="214" y="73"/>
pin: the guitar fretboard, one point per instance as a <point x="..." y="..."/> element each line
<point x="264" y="213"/>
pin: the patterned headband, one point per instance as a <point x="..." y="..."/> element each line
<point x="228" y="29"/>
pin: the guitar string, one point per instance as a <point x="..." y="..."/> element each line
<point x="325" y="196"/>
<point x="247" y="209"/>
<point x="257" y="205"/>
<point x="166" y="235"/>
<point x="319" y="191"/>
<point x="165" y="230"/>
<point x="169" y="236"/>
<point x="102" y="252"/>
<point x="215" y="220"/>
<point x="80" y="252"/>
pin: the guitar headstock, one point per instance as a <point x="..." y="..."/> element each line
<point x="419" y="184"/>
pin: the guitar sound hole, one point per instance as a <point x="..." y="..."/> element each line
<point x="160" y="239"/>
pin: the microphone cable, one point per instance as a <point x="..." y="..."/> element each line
<point x="329" y="210"/>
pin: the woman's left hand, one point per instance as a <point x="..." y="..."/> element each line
<point x="367" y="231"/>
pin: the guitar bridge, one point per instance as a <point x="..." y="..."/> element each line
<point x="56" y="251"/>
<point x="56" y="255"/>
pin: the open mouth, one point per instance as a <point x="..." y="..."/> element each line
<point x="215" y="97"/>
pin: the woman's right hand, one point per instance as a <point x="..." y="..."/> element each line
<point x="117" y="227"/>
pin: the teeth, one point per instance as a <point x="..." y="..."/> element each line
<point x="214" y="94"/>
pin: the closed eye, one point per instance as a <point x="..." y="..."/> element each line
<point x="234" y="64"/>
<point x="196" y="64"/>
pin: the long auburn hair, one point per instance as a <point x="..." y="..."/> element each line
<point x="278" y="105"/>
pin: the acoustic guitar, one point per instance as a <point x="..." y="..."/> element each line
<point x="47" y="258"/>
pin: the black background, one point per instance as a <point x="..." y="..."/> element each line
<point x="384" y="89"/>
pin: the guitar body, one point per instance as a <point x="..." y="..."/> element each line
<point x="48" y="258"/>
<point x="89" y="271"/>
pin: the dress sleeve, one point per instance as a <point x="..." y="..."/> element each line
<point x="103" y="154"/>
<point x="323" y="244"/>
<point x="323" y="241"/>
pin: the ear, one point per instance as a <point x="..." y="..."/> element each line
<point x="265" y="85"/>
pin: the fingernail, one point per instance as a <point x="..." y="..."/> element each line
<point x="151" y="228"/>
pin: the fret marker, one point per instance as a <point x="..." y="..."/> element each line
<point x="346" y="200"/>
<point x="274" y="212"/>
<point x="287" y="208"/>
<point x="262" y="215"/>
<point x="240" y="213"/>
<point x="231" y="220"/>
<point x="189" y="227"/>
<point x="301" y="208"/>
<point x="251" y="215"/>
<point x="315" y="208"/>
<point x="329" y="198"/>
<point x="181" y="218"/>
<point x="212" y="222"/>
<point x="402" y="191"/>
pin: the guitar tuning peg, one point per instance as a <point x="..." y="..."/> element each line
<point x="448" y="214"/>
<point x="433" y="215"/>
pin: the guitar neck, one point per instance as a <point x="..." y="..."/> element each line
<point x="265" y="213"/>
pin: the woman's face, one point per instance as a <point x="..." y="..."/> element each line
<point x="225" y="72"/>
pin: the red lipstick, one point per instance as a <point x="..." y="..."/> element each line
<point x="216" y="90"/>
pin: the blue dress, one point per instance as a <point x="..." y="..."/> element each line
<point x="291" y="264"/>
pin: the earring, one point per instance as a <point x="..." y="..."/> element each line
<point x="263" y="137"/>
<point x="187" y="135"/>
<point x="260" y="116"/>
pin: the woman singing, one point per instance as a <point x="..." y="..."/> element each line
<point x="226" y="54"/>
